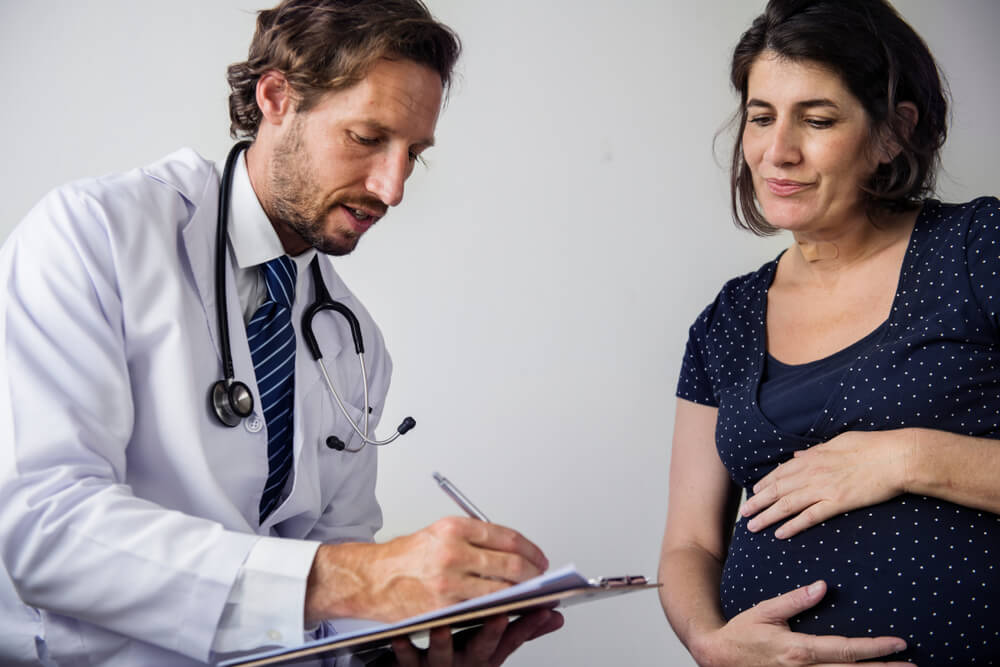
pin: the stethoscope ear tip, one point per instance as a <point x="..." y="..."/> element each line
<point x="406" y="425"/>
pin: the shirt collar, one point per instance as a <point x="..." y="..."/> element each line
<point x="251" y="234"/>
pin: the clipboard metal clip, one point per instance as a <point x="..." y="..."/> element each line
<point x="617" y="582"/>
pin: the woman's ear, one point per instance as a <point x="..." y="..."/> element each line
<point x="906" y="118"/>
<point x="274" y="97"/>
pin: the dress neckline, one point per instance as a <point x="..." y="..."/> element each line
<point x="872" y="339"/>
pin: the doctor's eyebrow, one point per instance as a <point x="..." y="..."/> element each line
<point x="378" y="127"/>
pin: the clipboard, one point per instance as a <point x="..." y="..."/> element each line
<point x="562" y="588"/>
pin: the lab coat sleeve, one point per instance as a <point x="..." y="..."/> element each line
<point x="74" y="538"/>
<point x="267" y="603"/>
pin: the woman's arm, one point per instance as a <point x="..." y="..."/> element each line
<point x="700" y="512"/>
<point x="862" y="468"/>
<point x="699" y="518"/>
<point x="957" y="468"/>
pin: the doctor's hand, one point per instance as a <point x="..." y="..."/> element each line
<point x="855" y="469"/>
<point x="453" y="559"/>
<point x="487" y="646"/>
<point x="760" y="636"/>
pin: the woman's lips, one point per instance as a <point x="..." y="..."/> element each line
<point x="785" y="188"/>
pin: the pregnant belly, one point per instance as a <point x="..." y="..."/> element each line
<point x="917" y="568"/>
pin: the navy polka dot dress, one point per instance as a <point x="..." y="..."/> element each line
<point x="915" y="567"/>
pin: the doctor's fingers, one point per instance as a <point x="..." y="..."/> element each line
<point x="439" y="653"/>
<point x="477" y="647"/>
<point x="492" y="643"/>
<point x="491" y="536"/>
<point x="510" y="567"/>
<point x="405" y="654"/>
<point x="441" y="649"/>
<point x="524" y="629"/>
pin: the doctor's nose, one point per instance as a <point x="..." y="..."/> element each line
<point x="388" y="176"/>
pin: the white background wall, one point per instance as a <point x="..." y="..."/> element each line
<point x="537" y="285"/>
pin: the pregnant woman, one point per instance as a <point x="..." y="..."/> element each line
<point x="850" y="387"/>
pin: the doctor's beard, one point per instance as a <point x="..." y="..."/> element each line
<point x="296" y="198"/>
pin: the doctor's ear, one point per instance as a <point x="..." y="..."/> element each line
<point x="275" y="98"/>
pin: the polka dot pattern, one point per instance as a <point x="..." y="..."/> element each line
<point x="915" y="567"/>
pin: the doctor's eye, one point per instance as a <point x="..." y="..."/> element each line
<point x="363" y="140"/>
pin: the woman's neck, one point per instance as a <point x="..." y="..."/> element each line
<point x="824" y="254"/>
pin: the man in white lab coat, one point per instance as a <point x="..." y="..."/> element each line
<point x="132" y="528"/>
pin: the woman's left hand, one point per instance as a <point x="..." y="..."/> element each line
<point x="855" y="469"/>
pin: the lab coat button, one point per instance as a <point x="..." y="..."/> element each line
<point x="253" y="423"/>
<point x="273" y="634"/>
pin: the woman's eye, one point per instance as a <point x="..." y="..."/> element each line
<point x="820" y="123"/>
<point x="760" y="120"/>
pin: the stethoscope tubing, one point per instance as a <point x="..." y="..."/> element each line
<point x="363" y="435"/>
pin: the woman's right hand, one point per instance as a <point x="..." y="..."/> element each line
<point x="761" y="636"/>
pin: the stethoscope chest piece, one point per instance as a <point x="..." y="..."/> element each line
<point x="232" y="401"/>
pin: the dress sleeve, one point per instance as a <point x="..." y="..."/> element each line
<point x="695" y="384"/>
<point x="983" y="256"/>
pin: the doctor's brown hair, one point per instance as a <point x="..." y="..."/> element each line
<point x="327" y="45"/>
<point x="882" y="61"/>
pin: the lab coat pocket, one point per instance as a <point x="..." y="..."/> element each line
<point x="343" y="437"/>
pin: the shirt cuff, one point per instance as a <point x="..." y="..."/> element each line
<point x="266" y="605"/>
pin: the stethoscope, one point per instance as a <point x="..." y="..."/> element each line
<point x="231" y="399"/>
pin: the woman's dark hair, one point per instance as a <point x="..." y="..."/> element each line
<point x="882" y="61"/>
<point x="326" y="45"/>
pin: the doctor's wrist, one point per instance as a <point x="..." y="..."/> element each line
<point x="343" y="583"/>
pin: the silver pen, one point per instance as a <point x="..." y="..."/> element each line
<point x="459" y="498"/>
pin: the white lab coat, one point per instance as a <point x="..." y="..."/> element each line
<point x="126" y="508"/>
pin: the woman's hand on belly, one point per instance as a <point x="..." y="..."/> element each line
<point x="855" y="469"/>
<point x="760" y="636"/>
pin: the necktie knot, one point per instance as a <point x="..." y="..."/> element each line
<point x="279" y="276"/>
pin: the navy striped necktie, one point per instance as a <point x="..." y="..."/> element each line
<point x="272" y="347"/>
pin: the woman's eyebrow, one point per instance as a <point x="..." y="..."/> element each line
<point x="804" y="104"/>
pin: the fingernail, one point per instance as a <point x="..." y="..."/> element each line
<point x="814" y="588"/>
<point x="780" y="533"/>
<point x="899" y="646"/>
<point x="752" y="526"/>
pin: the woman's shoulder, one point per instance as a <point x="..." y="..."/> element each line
<point x="952" y="230"/>
<point x="751" y="284"/>
<point x="740" y="295"/>
<point x="975" y="212"/>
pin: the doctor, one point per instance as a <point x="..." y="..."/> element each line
<point x="136" y="528"/>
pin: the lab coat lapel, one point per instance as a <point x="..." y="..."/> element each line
<point x="199" y="245"/>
